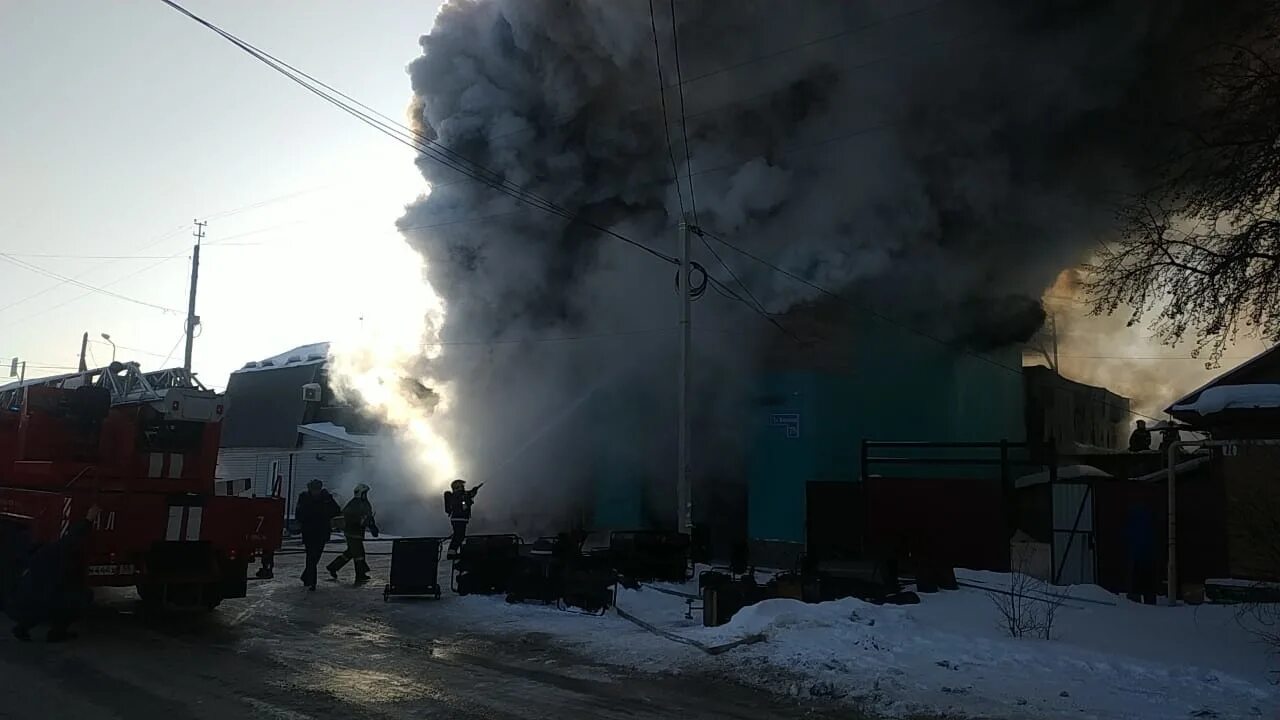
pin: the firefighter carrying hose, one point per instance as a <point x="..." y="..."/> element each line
<point x="457" y="505"/>
<point x="357" y="517"/>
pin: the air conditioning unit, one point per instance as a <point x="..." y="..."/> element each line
<point x="311" y="392"/>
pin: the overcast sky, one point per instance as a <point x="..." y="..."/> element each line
<point x="124" y="121"/>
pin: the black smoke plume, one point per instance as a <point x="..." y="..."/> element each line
<point x="943" y="159"/>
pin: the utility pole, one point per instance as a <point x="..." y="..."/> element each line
<point x="684" y="520"/>
<point x="192" y="319"/>
<point x="1056" y="367"/>
<point x="84" y="346"/>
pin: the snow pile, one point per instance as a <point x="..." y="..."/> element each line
<point x="1233" y="397"/>
<point x="1109" y="658"/>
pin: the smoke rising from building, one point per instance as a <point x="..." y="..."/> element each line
<point x="941" y="161"/>
<point x="1107" y="351"/>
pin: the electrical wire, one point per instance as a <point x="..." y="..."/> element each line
<point x="662" y="97"/>
<point x="173" y="349"/>
<point x="51" y="288"/>
<point x="73" y="281"/>
<point x="432" y="149"/>
<point x="72" y="256"/>
<point x="126" y="347"/>
<point x="684" y="121"/>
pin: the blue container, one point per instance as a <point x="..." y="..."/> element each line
<point x="891" y="385"/>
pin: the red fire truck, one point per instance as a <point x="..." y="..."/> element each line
<point x="143" y="447"/>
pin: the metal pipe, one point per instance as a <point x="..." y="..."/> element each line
<point x="1172" y="571"/>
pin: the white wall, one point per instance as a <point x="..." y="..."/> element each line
<point x="328" y="461"/>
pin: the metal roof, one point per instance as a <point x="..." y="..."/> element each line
<point x="1224" y="378"/>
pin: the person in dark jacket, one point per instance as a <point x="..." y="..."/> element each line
<point x="53" y="590"/>
<point x="1140" y="439"/>
<point x="457" y="505"/>
<point x="315" y="511"/>
<point x="357" y="517"/>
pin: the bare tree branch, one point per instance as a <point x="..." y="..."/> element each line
<point x="1198" y="255"/>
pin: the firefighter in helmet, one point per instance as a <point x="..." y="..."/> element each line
<point x="357" y="517"/>
<point x="457" y="505"/>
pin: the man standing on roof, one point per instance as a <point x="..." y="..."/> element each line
<point x="315" y="511"/>
<point x="357" y="517"/>
<point x="1140" y="440"/>
<point x="457" y="505"/>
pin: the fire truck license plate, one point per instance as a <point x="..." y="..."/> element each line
<point x="103" y="570"/>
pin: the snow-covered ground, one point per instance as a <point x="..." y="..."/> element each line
<point x="1109" y="658"/>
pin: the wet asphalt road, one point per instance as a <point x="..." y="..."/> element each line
<point x="283" y="654"/>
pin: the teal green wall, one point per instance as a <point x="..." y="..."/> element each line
<point x="897" y="386"/>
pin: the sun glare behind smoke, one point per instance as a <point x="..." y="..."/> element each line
<point x="383" y="363"/>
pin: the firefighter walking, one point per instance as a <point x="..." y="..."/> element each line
<point x="316" y="510"/>
<point x="357" y="517"/>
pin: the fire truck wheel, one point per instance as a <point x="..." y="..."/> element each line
<point x="152" y="596"/>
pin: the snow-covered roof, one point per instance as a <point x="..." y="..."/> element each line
<point x="302" y="355"/>
<point x="334" y="433"/>
<point x="1260" y="357"/>
<point x="1066" y="472"/>
<point x="1232" y="397"/>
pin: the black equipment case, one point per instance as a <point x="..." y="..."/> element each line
<point x="414" y="568"/>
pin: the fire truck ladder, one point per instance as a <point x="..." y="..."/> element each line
<point x="125" y="381"/>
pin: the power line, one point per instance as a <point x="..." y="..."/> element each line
<point x="51" y="288"/>
<point x="72" y="256"/>
<point x="263" y="203"/>
<point x="662" y="96"/>
<point x="77" y="298"/>
<point x="684" y="122"/>
<point x="754" y="302"/>
<point x="126" y="347"/>
<point x="93" y="288"/>
<point x="174" y="349"/>
<point x="411" y="138"/>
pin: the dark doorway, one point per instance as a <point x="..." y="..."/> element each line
<point x="835" y="520"/>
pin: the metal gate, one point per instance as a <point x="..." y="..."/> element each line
<point x="1075" y="554"/>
